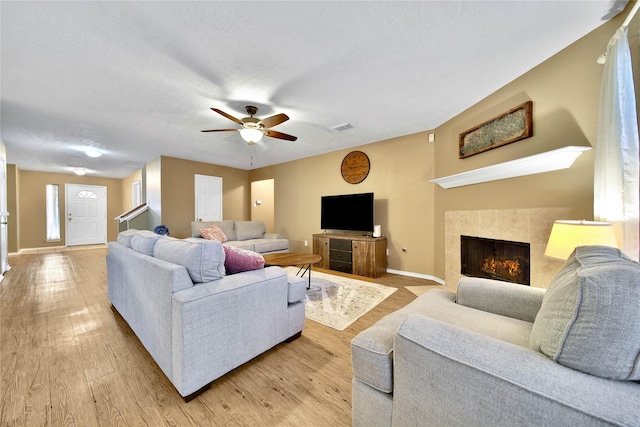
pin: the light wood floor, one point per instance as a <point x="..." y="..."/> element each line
<point x="67" y="358"/>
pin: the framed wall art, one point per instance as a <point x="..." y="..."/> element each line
<point x="512" y="126"/>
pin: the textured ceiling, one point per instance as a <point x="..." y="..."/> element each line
<point x="136" y="80"/>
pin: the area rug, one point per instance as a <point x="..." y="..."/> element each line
<point x="337" y="301"/>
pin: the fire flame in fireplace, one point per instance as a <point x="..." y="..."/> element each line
<point x="498" y="268"/>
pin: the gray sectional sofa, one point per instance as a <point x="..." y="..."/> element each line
<point x="250" y="235"/>
<point x="500" y="354"/>
<point x="194" y="320"/>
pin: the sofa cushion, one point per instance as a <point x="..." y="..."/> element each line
<point x="297" y="290"/>
<point x="238" y="260"/>
<point x="213" y="233"/>
<point x="270" y="245"/>
<point x="144" y="241"/>
<point x="226" y="226"/>
<point x="124" y="237"/>
<point x="590" y="316"/>
<point x="246" y="230"/>
<point x="242" y="244"/>
<point x="204" y="260"/>
<point x="372" y="349"/>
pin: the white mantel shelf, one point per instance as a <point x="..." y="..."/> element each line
<point x="553" y="160"/>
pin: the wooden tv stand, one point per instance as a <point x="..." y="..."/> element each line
<point x="350" y="253"/>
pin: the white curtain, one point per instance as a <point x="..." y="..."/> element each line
<point x="616" y="153"/>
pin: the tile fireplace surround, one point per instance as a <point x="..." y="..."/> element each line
<point x="531" y="226"/>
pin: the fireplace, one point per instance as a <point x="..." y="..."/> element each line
<point x="495" y="259"/>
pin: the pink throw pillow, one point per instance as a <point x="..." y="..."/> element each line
<point x="213" y="233"/>
<point x="238" y="260"/>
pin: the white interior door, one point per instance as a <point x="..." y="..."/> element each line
<point x="86" y="214"/>
<point x="208" y="198"/>
<point x="263" y="206"/>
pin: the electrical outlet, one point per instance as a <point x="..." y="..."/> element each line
<point x="306" y="243"/>
<point x="387" y="251"/>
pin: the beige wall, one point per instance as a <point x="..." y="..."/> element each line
<point x="32" y="205"/>
<point x="400" y="171"/>
<point x="170" y="191"/>
<point x="564" y="91"/>
<point x="178" y="192"/>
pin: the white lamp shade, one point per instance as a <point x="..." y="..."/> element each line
<point x="568" y="235"/>
<point x="251" y="135"/>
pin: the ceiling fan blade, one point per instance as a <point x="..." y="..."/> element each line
<point x="279" y="135"/>
<point x="220" y="130"/>
<point x="222" y="113"/>
<point x="273" y="120"/>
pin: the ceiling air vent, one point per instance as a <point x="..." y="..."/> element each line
<point x="132" y="165"/>
<point x="343" y="127"/>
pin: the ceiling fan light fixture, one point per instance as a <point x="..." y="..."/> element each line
<point x="92" y="152"/>
<point x="251" y="135"/>
<point x="253" y="128"/>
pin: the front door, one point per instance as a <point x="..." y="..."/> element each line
<point x="86" y="214"/>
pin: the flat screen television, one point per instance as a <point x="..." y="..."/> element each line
<point x="348" y="212"/>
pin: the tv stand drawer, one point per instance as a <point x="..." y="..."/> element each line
<point x="343" y="256"/>
<point x="340" y="244"/>
<point x="345" y="267"/>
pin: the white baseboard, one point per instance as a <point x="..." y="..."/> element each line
<point x="417" y="275"/>
<point x="31" y="251"/>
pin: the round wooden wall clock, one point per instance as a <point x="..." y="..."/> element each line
<point x="355" y="167"/>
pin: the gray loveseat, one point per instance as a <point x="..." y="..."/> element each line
<point x="196" y="322"/>
<point x="500" y="354"/>
<point x="250" y="235"/>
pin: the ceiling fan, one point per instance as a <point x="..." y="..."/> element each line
<point x="253" y="128"/>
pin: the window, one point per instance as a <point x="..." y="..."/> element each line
<point x="136" y="194"/>
<point x="53" y="213"/>
<point x="85" y="195"/>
